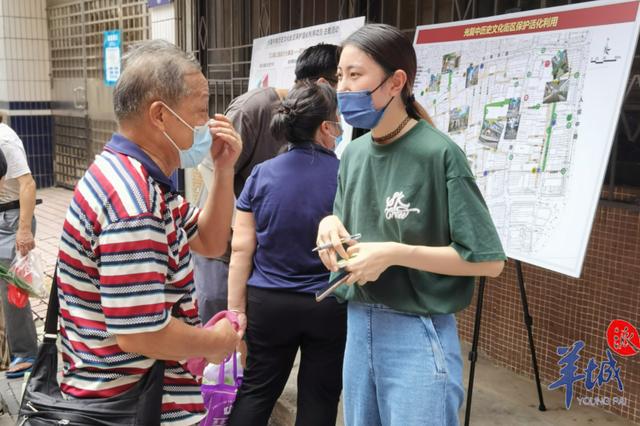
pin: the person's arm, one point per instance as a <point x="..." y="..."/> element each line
<point x="178" y="341"/>
<point x="24" y="236"/>
<point x="214" y="222"/>
<point x="441" y="260"/>
<point x="243" y="247"/>
<point x="373" y="259"/>
<point x="132" y="295"/>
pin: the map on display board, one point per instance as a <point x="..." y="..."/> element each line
<point x="533" y="99"/>
<point x="273" y="58"/>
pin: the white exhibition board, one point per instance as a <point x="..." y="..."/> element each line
<point x="533" y="99"/>
<point x="273" y="58"/>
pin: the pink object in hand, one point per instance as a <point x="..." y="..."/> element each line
<point x="196" y="365"/>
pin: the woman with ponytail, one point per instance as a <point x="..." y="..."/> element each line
<point x="274" y="273"/>
<point x="426" y="233"/>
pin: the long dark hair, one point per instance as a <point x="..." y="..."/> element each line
<point x="392" y="50"/>
<point x="304" y="109"/>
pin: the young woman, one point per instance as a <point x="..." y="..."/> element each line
<point x="426" y="232"/>
<point x="274" y="274"/>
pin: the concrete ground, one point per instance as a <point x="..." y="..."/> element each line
<point x="501" y="398"/>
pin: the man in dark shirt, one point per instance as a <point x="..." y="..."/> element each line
<point x="251" y="115"/>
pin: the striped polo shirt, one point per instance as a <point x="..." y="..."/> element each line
<point x="124" y="266"/>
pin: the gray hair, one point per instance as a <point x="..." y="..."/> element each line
<point x="152" y="70"/>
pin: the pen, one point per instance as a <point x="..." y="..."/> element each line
<point x="344" y="240"/>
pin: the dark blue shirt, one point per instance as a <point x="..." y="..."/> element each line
<point x="288" y="196"/>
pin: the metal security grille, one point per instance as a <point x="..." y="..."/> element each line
<point x="225" y="30"/>
<point x="66" y="40"/>
<point x="70" y="150"/>
<point x="78" y="141"/>
<point x="102" y="15"/>
<point x="75" y="31"/>
<point x="101" y="131"/>
<point x="76" y="43"/>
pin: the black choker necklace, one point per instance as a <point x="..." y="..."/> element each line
<point x="393" y="133"/>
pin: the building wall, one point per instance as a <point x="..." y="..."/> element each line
<point x="163" y="22"/>
<point x="565" y="309"/>
<point x="25" y="93"/>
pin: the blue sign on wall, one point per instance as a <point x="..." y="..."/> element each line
<point x="154" y="3"/>
<point x="112" y="56"/>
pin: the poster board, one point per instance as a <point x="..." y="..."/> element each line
<point x="273" y="58"/>
<point x="533" y="99"/>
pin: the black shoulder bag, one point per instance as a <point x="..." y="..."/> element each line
<point x="43" y="403"/>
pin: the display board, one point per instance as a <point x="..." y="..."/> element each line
<point x="273" y="58"/>
<point x="533" y="99"/>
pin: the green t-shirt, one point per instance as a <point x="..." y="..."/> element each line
<point x="418" y="190"/>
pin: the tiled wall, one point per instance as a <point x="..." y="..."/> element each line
<point x="566" y="309"/>
<point x="35" y="132"/>
<point x="163" y="22"/>
<point x="25" y="93"/>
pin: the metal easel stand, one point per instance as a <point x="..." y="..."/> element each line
<point x="473" y="354"/>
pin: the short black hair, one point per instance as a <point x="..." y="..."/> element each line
<point x="3" y="165"/>
<point x="318" y="61"/>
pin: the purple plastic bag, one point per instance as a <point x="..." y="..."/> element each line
<point x="219" y="398"/>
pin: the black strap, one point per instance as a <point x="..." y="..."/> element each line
<point x="51" y="322"/>
<point x="15" y="205"/>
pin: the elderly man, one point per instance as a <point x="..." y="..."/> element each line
<point x="125" y="273"/>
<point x="17" y="226"/>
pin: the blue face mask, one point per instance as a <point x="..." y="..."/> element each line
<point x="194" y="155"/>
<point x="358" y="110"/>
<point x="338" y="138"/>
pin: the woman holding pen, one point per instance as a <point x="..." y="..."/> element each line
<point x="274" y="273"/>
<point x="426" y="232"/>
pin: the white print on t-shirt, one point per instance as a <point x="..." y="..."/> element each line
<point x="396" y="209"/>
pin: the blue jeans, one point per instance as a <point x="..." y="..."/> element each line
<point x="401" y="369"/>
